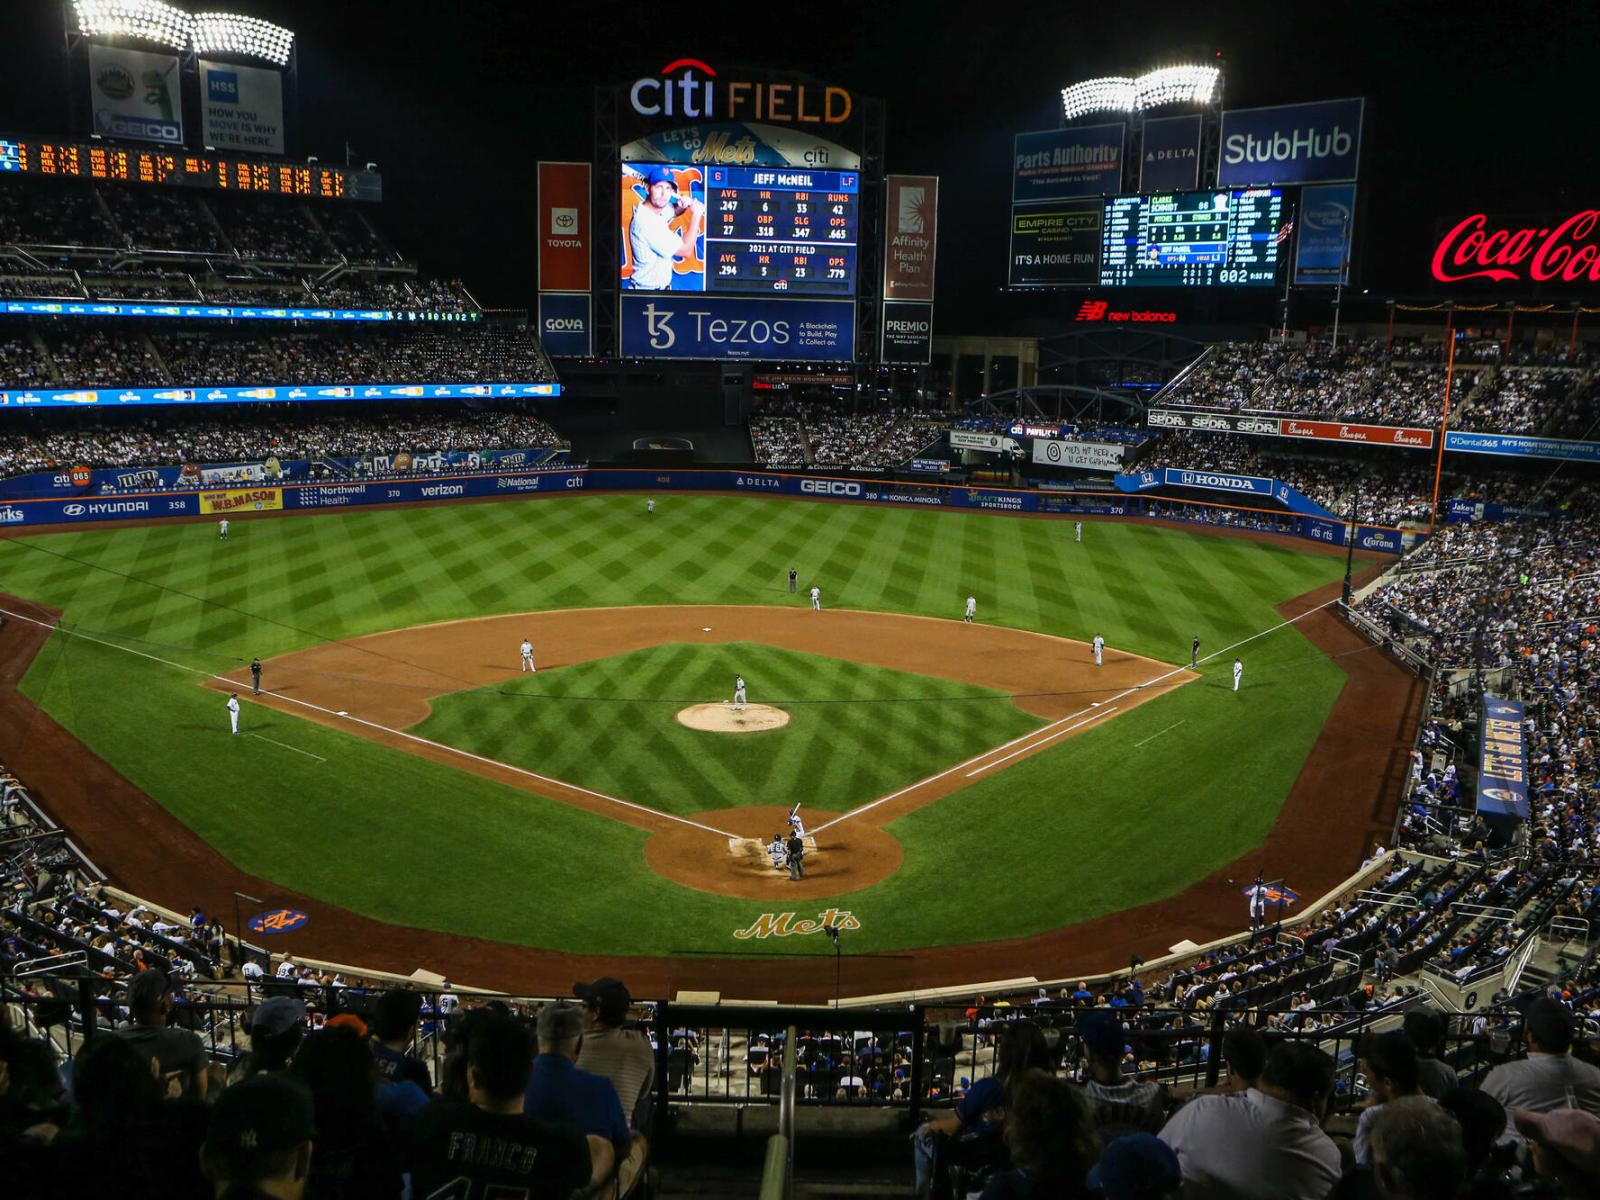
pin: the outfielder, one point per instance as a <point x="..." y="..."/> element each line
<point x="816" y="599"/>
<point x="1077" y="530"/>
<point x="233" y="711"/>
<point x="649" y="506"/>
<point x="972" y="609"/>
<point x="527" y="656"/>
<point x="738" y="693"/>
<point x="223" y="536"/>
<point x="1099" y="649"/>
<point x="1238" y="670"/>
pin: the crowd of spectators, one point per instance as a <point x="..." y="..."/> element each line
<point x="250" y="434"/>
<point x="811" y="432"/>
<point x="1373" y="382"/>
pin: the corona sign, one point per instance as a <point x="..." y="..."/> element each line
<point x="689" y="89"/>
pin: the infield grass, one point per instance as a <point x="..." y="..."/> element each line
<point x="1097" y="823"/>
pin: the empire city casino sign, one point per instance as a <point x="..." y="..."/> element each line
<point x="688" y="88"/>
<point x="1565" y="249"/>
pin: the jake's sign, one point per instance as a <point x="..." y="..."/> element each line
<point x="783" y="924"/>
<point x="690" y="89"/>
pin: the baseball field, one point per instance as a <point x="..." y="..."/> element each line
<point x="966" y="784"/>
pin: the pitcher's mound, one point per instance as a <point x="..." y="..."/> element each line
<point x="723" y="718"/>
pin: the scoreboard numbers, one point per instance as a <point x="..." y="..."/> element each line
<point x="1193" y="239"/>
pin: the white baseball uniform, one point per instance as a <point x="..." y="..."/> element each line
<point x="527" y="656"/>
<point x="649" y="506"/>
<point x="972" y="607"/>
<point x="779" y="853"/>
<point x="233" y="712"/>
<point x="224" y="534"/>
<point x="1238" y="670"/>
<point x="1258" y="904"/>
<point x="1099" y="649"/>
<point x="1077" y="529"/>
<point x="816" y="599"/>
<point x="738" y="693"/>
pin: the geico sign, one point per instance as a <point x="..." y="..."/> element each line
<point x="687" y="87"/>
<point x="830" y="487"/>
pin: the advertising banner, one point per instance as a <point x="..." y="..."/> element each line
<point x="908" y="257"/>
<point x="566" y="324"/>
<point x="1377" y="435"/>
<point x="1084" y="456"/>
<point x="1320" y="529"/>
<point x="241" y="108"/>
<point x="1319" y="142"/>
<point x="1219" y="481"/>
<point x="563" y="212"/>
<point x="1559" y="247"/>
<point x="252" y="500"/>
<point x="1520" y="446"/>
<point x="1327" y="219"/>
<point x="229" y="312"/>
<point x="1502" y="760"/>
<point x="684" y="325"/>
<point x="118" y="398"/>
<point x="1170" y="158"/>
<point x="1056" y="244"/>
<point x="1062" y="164"/>
<point x="907" y="333"/>
<point x="1253" y="485"/>
<point x="135" y="95"/>
<point x="972" y="439"/>
<point x="749" y="143"/>
<point x="1483" y="510"/>
<point x="1177" y="418"/>
<point x="1377" y="537"/>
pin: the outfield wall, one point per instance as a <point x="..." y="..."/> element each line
<point x="226" y="500"/>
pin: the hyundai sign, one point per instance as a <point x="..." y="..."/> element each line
<point x="1318" y="142"/>
<point x="695" y="325"/>
<point x="565" y="324"/>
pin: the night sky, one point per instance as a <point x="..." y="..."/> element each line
<point x="1470" y="108"/>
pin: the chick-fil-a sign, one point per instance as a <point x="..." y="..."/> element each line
<point x="1566" y="250"/>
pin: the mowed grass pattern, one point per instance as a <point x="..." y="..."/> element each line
<point x="855" y="732"/>
<point x="1205" y="792"/>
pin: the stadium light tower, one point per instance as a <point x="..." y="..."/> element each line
<point x="147" y="20"/>
<point x="1195" y="85"/>
<point x="249" y="37"/>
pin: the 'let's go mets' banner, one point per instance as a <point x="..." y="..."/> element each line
<point x="1503" y="760"/>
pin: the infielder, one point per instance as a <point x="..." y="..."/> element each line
<point x="1099" y="649"/>
<point x="649" y="506"/>
<point x="527" y="656"/>
<point x="233" y="711"/>
<point x="738" y="693"/>
<point x="1077" y="530"/>
<point x="1238" y="670"/>
<point x="816" y="599"/>
<point x="1194" y="654"/>
<point x="223" y="536"/>
<point x="778" y="852"/>
<point x="972" y="609"/>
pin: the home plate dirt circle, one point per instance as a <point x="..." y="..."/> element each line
<point x="722" y="717"/>
<point x="851" y="855"/>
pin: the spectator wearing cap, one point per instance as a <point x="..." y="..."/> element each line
<point x="1120" y="1105"/>
<point x="559" y="1091"/>
<point x="1549" y="1078"/>
<point x="1389" y="1061"/>
<point x="1139" y="1166"/>
<point x="179" y="1053"/>
<point x="1265" y="1143"/>
<point x="1565" y="1144"/>
<point x="621" y="1055"/>
<point x="1049" y="1133"/>
<point x="259" y="1140"/>
<point x="276" y="1027"/>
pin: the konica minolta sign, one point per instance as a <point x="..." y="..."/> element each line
<point x="1318" y="142"/>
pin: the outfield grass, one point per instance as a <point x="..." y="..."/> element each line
<point x="1095" y="824"/>
<point x="855" y="732"/>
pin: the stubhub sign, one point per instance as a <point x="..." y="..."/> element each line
<point x="565" y="324"/>
<point x="1292" y="143"/>
<point x="695" y="325"/>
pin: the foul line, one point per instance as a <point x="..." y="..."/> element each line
<point x="422" y="741"/>
<point x="1036" y="745"/>
<point x="1038" y="737"/>
<point x="296" y="749"/>
<point x="1154" y="736"/>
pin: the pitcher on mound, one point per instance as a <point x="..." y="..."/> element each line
<point x="738" y="693"/>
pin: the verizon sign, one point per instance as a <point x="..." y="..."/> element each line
<point x="1377" y="435"/>
<point x="1565" y="249"/>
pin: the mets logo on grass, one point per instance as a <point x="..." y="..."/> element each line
<point x="278" y="920"/>
<point x="783" y="924"/>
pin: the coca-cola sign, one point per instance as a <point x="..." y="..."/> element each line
<point x="1564" y="249"/>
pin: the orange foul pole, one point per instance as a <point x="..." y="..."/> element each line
<point x="1444" y="420"/>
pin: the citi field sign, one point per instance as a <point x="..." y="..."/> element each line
<point x="1563" y="249"/>
<point x="688" y="88"/>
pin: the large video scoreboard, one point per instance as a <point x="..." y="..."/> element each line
<point x="1192" y="239"/>
<point x="767" y="230"/>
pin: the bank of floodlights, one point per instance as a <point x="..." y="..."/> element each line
<point x="1117" y="94"/>
<point x="227" y="33"/>
<point x="148" y="20"/>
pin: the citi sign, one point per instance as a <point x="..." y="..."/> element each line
<point x="688" y="87"/>
<point x="1564" y="250"/>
